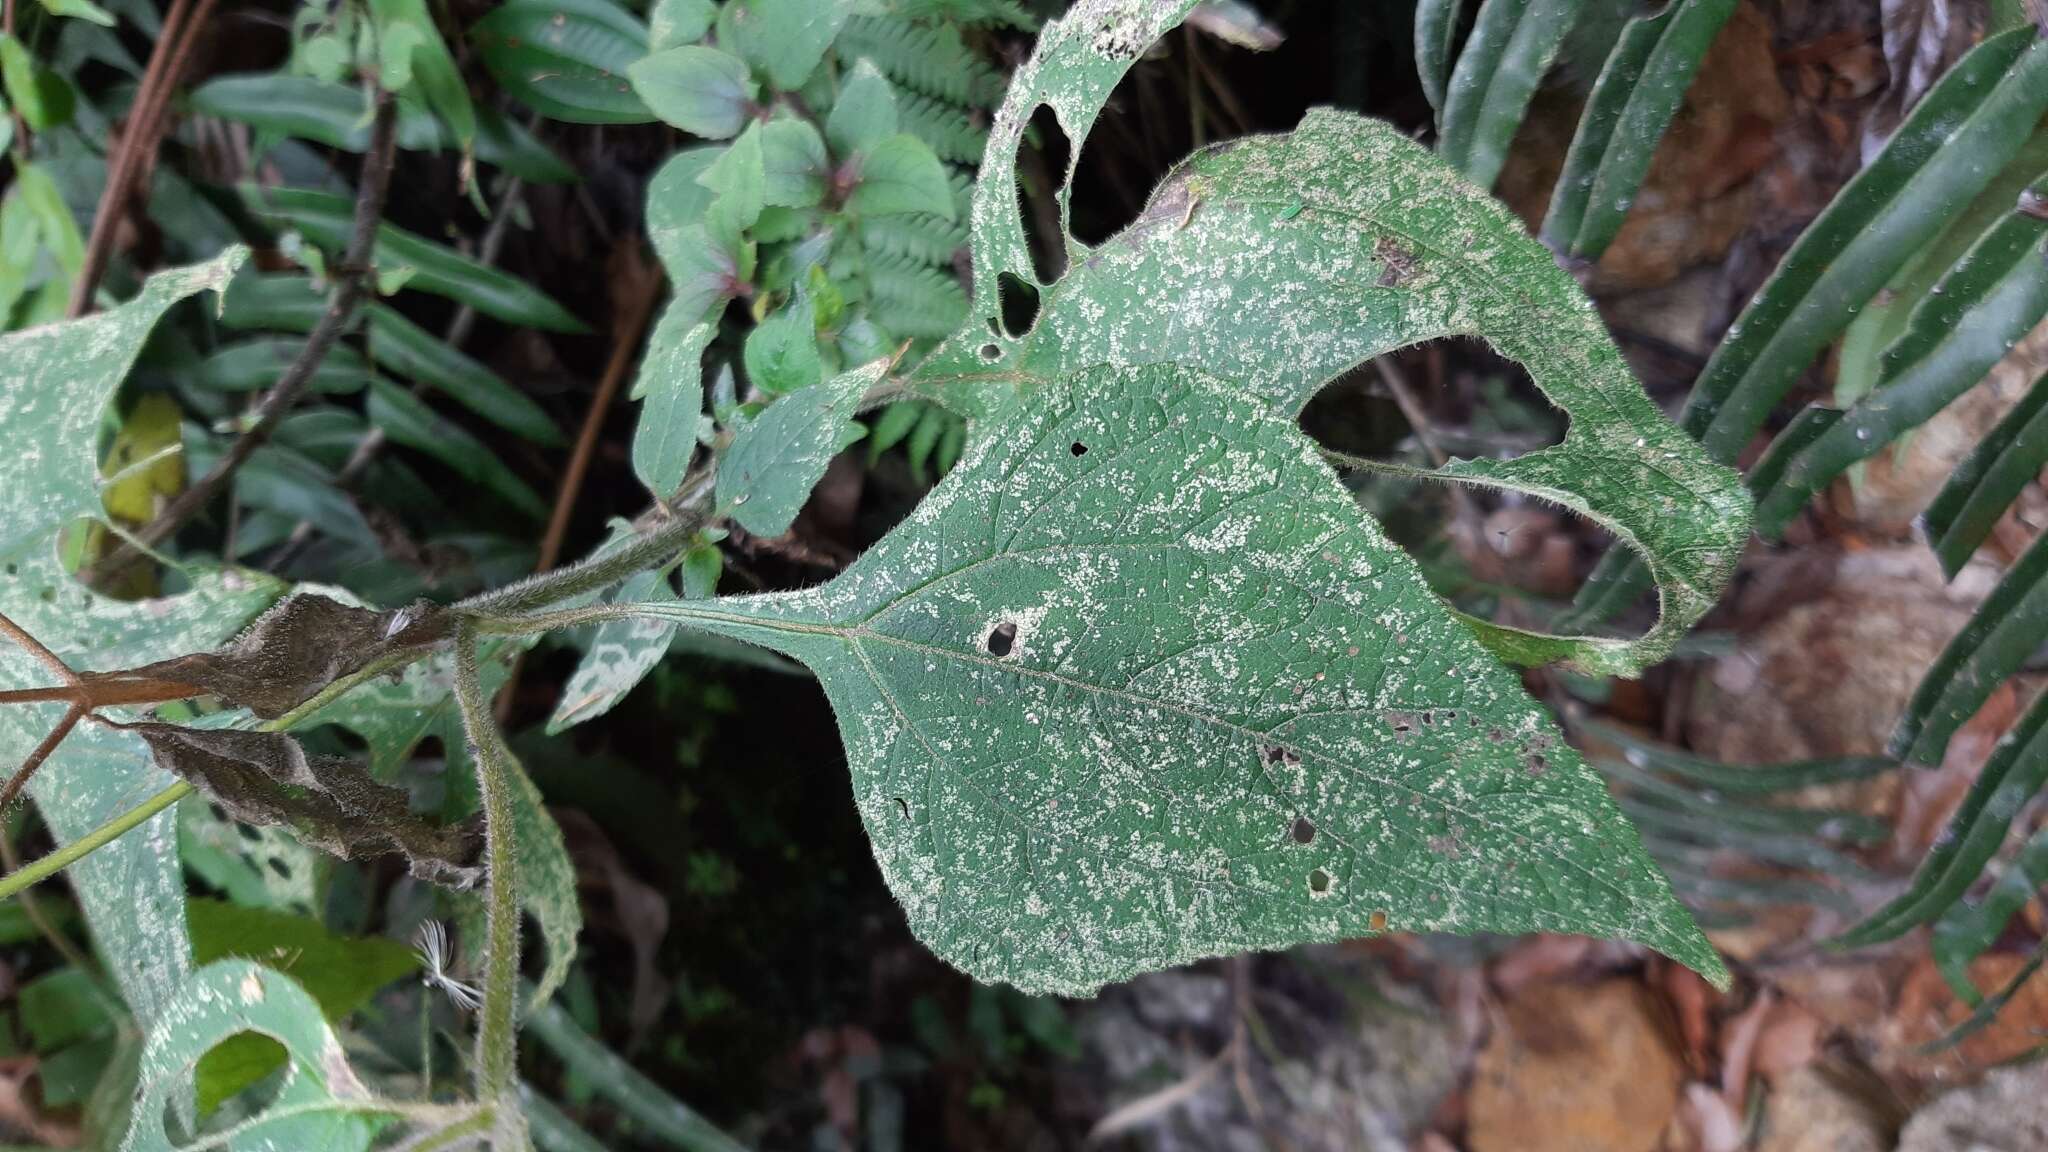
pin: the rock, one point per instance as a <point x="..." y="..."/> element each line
<point x="1576" y="1069"/>
<point x="2005" y="1112"/>
<point x="1812" y="1110"/>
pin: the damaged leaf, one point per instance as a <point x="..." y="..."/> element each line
<point x="319" y="1103"/>
<point x="266" y="779"/>
<point x="296" y="650"/>
<point x="1282" y="262"/>
<point x="1138" y="684"/>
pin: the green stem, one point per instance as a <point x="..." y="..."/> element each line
<point x="91" y="842"/>
<point x="497" y="1036"/>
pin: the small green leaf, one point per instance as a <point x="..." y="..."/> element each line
<point x="677" y="199"/>
<point x="784" y="38"/>
<point x="566" y="59"/>
<point x="701" y="90"/>
<point x="899" y="175"/>
<point x="738" y="182"/>
<point x="781" y="353"/>
<point x="776" y="458"/>
<point x="80" y="10"/>
<point x="59" y="231"/>
<point x="43" y="98"/>
<point x="865" y="113"/>
<point x="703" y="273"/>
<point x="409" y="421"/>
<point x="1140" y="684"/>
<point x="671" y="385"/>
<point x="674" y="23"/>
<point x="794" y="160"/>
<point x="547" y="884"/>
<point x="431" y="66"/>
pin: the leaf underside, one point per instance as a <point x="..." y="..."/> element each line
<point x="1138" y="684"/>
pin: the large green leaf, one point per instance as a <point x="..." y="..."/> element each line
<point x="1138" y="683"/>
<point x="59" y="380"/>
<point x="1283" y="261"/>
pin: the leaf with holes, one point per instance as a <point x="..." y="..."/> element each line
<point x="319" y="1103"/>
<point x="1138" y="684"/>
<point x="1281" y="262"/>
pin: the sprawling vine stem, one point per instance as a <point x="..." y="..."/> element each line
<point x="496" y="1042"/>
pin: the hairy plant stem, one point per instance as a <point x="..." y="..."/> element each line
<point x="64" y="857"/>
<point x="671" y="530"/>
<point x="351" y="283"/>
<point x="497" y="1033"/>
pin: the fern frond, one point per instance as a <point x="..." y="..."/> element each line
<point x="926" y="239"/>
<point x="926" y="58"/>
<point x="912" y="298"/>
<point x="954" y="132"/>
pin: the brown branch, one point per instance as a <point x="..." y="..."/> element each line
<point x="16" y="782"/>
<point x="626" y="333"/>
<point x="136" y="154"/>
<point x="34" y="647"/>
<point x="351" y="281"/>
<point x="632" y="322"/>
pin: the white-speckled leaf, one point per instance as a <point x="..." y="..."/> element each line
<point x="1138" y="683"/>
<point x="58" y="382"/>
<point x="620" y="655"/>
<point x="1281" y="262"/>
<point x="776" y="458"/>
<point x="319" y="1103"/>
<point x="547" y="883"/>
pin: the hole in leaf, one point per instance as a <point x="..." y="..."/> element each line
<point x="991" y="352"/>
<point x="1019" y="302"/>
<point x="247" y="833"/>
<point x="1002" y="639"/>
<point x="1378" y="921"/>
<point x="1078" y="448"/>
<point x="237" y="1079"/>
<point x="1044" y="166"/>
<point x="1319" y="881"/>
<point x="902" y="806"/>
<point x="277" y="865"/>
<point x="1304" y="830"/>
